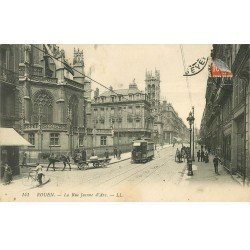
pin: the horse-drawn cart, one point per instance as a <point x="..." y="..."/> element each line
<point x="94" y="161"/>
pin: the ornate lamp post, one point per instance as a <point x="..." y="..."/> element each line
<point x="193" y="159"/>
<point x="190" y="119"/>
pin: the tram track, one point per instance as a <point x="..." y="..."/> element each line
<point x="155" y="167"/>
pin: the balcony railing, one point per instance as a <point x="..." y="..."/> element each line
<point x="8" y="76"/>
<point x="46" y="126"/>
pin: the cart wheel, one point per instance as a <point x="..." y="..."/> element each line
<point x="81" y="166"/>
<point x="96" y="164"/>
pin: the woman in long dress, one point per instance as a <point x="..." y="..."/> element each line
<point x="7" y="174"/>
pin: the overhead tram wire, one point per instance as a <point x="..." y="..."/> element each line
<point x="184" y="67"/>
<point x="93" y="80"/>
<point x="111" y="90"/>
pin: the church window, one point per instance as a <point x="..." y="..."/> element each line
<point x="43" y="107"/>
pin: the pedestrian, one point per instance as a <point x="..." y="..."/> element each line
<point x="65" y="160"/>
<point x="206" y="158"/>
<point x="119" y="153"/>
<point x="115" y="152"/>
<point x="178" y="155"/>
<point x="7" y="176"/>
<point x="76" y="151"/>
<point x="199" y="155"/>
<point x="39" y="172"/>
<point x="84" y="155"/>
<point x="202" y="155"/>
<point x="183" y="152"/>
<point x="24" y="162"/>
<point x="106" y="153"/>
<point x="52" y="160"/>
<point x="216" y="161"/>
<point x="93" y="152"/>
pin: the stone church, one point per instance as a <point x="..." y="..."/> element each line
<point x="54" y="100"/>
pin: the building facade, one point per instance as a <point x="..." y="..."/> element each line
<point x="173" y="126"/>
<point x="153" y="91"/>
<point x="8" y="102"/>
<point x="225" y="123"/>
<point x="120" y="116"/>
<point x="52" y="102"/>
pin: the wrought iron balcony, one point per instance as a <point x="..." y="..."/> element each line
<point x="8" y="76"/>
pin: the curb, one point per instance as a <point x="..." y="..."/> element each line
<point x="119" y="161"/>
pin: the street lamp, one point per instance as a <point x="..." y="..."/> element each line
<point x="190" y="119"/>
<point x="193" y="159"/>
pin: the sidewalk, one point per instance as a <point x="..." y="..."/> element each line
<point x="204" y="175"/>
<point x="124" y="156"/>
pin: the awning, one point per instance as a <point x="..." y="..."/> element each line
<point x="9" y="137"/>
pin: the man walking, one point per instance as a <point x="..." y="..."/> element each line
<point x="202" y="155"/>
<point x="24" y="162"/>
<point x="84" y="155"/>
<point x="199" y="155"/>
<point x="115" y="152"/>
<point x="216" y="161"/>
<point x="119" y="152"/>
<point x="106" y="154"/>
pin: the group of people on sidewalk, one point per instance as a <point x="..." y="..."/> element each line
<point x="181" y="155"/>
<point x="203" y="156"/>
<point x="116" y="153"/>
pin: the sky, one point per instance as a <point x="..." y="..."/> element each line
<point x="118" y="65"/>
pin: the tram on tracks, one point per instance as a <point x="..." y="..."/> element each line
<point x="142" y="151"/>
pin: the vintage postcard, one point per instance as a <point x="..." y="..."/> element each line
<point x="124" y="122"/>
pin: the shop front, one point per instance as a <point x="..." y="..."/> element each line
<point x="10" y="142"/>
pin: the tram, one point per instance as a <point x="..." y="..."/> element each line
<point x="143" y="150"/>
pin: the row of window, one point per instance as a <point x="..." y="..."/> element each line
<point x="119" y="120"/>
<point x="118" y="98"/>
<point x="119" y="109"/>
<point x="55" y="139"/>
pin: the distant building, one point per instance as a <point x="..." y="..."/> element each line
<point x="125" y="113"/>
<point x="54" y="100"/>
<point x="225" y="124"/>
<point x="153" y="91"/>
<point x="173" y="126"/>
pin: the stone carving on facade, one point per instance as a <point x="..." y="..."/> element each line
<point x="78" y="57"/>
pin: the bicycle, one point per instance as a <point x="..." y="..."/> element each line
<point x="31" y="179"/>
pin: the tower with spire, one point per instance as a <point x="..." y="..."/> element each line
<point x="153" y="90"/>
<point x="79" y="72"/>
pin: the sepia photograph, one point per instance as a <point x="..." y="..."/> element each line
<point x="96" y="122"/>
<point x="124" y="125"/>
